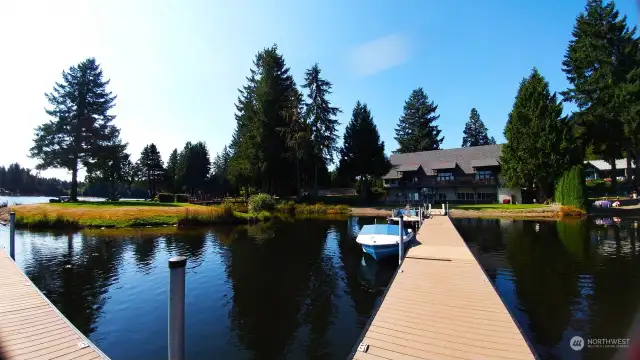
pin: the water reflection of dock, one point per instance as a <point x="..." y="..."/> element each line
<point x="31" y="327"/>
<point x="441" y="305"/>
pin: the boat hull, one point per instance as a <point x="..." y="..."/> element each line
<point x="379" y="252"/>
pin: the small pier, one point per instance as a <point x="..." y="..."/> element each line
<point x="441" y="305"/>
<point x="31" y="327"/>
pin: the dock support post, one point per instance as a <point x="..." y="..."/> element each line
<point x="401" y="242"/>
<point x="12" y="235"/>
<point x="443" y="209"/>
<point x="177" y="267"/>
<point x="447" y="209"/>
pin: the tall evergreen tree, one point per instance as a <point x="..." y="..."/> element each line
<point x="220" y="169"/>
<point x="172" y="171"/>
<point x="597" y="63"/>
<point x="260" y="147"/>
<point x="322" y="120"/>
<point x="81" y="128"/>
<point x="151" y="167"/>
<point x="416" y="129"/>
<point x="113" y="167"/>
<point x="540" y="144"/>
<point x="297" y="132"/>
<point x="362" y="153"/>
<point x="194" y="166"/>
<point x="475" y="132"/>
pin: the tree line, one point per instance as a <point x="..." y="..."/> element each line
<point x="284" y="142"/>
<point x="15" y="179"/>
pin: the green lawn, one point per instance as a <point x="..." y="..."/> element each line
<point x="496" y="206"/>
<point x="118" y="204"/>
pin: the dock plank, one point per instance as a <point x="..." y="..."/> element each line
<point x="441" y="305"/>
<point x="30" y="326"/>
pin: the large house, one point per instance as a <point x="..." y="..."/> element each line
<point x="464" y="175"/>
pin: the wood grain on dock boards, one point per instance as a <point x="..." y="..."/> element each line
<point x="31" y="327"/>
<point x="441" y="305"/>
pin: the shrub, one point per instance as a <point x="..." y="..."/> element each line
<point x="286" y="207"/>
<point x="165" y="198"/>
<point x="570" y="188"/>
<point x="261" y="202"/>
<point x="571" y="211"/>
<point x="226" y="209"/>
<point x="182" y="198"/>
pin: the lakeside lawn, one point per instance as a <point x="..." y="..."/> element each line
<point x="497" y="207"/>
<point x="121" y="214"/>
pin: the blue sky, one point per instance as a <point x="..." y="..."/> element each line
<point x="176" y="65"/>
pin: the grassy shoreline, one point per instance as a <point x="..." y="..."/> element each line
<point x="144" y="214"/>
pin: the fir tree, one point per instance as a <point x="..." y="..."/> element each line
<point x="194" y="166"/>
<point x="416" y="129"/>
<point x="362" y="153"/>
<point x="172" y="171"/>
<point x="81" y="129"/>
<point x="322" y="120"/>
<point x="113" y="166"/>
<point x="151" y="167"/>
<point x="475" y="132"/>
<point x="540" y="145"/>
<point x="598" y="61"/>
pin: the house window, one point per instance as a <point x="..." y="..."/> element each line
<point x="484" y="174"/>
<point x="415" y="180"/>
<point x="465" y="196"/>
<point x="445" y="176"/>
<point x="486" y="196"/>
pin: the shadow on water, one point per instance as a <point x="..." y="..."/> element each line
<point x="562" y="279"/>
<point x="274" y="290"/>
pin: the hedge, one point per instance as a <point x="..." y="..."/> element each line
<point x="165" y="198"/>
<point x="182" y="198"/>
<point x="571" y="189"/>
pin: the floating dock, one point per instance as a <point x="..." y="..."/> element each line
<point x="31" y="327"/>
<point x="441" y="305"/>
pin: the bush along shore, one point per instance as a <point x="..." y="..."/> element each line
<point x="120" y="214"/>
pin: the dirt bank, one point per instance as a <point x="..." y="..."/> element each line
<point x="370" y="211"/>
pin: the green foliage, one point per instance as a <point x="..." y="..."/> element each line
<point x="194" y="166"/>
<point x="151" y="167"/>
<point x="80" y="128"/>
<point x="220" y="178"/>
<point x="17" y="179"/>
<point x="416" y="130"/>
<point x="182" y="198"/>
<point x="261" y="202"/>
<point x="321" y="117"/>
<point x="570" y="189"/>
<point x="599" y="64"/>
<point x="362" y="154"/>
<point x="171" y="175"/>
<point x="165" y="198"/>
<point x="112" y="166"/>
<point x="540" y="142"/>
<point x="475" y="132"/>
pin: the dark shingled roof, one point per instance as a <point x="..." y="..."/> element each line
<point x="443" y="165"/>
<point x="485" y="162"/>
<point x="407" y="167"/>
<point x="465" y="158"/>
<point x="393" y="174"/>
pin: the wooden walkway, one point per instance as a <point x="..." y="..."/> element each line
<point x="31" y="327"/>
<point x="441" y="305"/>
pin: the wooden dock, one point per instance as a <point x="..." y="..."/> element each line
<point x="31" y="327"/>
<point x="441" y="305"/>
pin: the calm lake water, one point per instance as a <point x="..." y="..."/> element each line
<point x="302" y="290"/>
